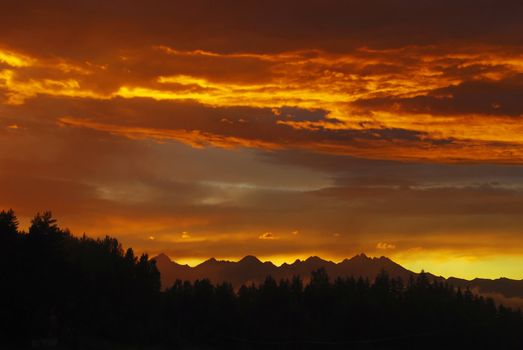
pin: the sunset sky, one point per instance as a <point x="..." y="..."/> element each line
<point x="281" y="129"/>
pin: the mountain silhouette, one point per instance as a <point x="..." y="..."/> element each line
<point x="251" y="270"/>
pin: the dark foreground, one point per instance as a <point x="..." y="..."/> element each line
<point x="59" y="291"/>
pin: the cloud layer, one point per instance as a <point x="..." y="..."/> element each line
<point x="276" y="129"/>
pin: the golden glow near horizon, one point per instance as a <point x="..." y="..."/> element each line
<point x="499" y="266"/>
<point x="279" y="139"/>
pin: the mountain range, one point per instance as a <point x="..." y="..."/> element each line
<point x="251" y="270"/>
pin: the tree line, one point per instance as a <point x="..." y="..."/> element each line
<point x="80" y="290"/>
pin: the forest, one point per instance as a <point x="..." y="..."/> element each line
<point x="64" y="291"/>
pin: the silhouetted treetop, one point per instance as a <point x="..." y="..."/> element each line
<point x="8" y="224"/>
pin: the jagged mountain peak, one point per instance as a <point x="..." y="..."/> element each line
<point x="250" y="259"/>
<point x="210" y="261"/>
<point x="360" y="257"/>
<point x="384" y="259"/>
<point x="315" y="259"/>
<point x="162" y="257"/>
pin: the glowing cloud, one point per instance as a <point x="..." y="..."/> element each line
<point x="268" y="236"/>
<point x="385" y="246"/>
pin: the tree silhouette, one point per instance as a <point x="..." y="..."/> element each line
<point x="8" y="226"/>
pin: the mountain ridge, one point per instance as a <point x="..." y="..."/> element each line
<point x="251" y="269"/>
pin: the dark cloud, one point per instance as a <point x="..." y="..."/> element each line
<point x="300" y="114"/>
<point x="259" y="124"/>
<point x="504" y="98"/>
<point x="92" y="26"/>
<point x="425" y="200"/>
<point x="346" y="167"/>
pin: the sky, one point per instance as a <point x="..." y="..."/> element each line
<point x="281" y="129"/>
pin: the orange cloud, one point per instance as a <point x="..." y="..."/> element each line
<point x="268" y="236"/>
<point x="193" y="138"/>
<point x="385" y="246"/>
<point x="366" y="92"/>
<point x="15" y="59"/>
